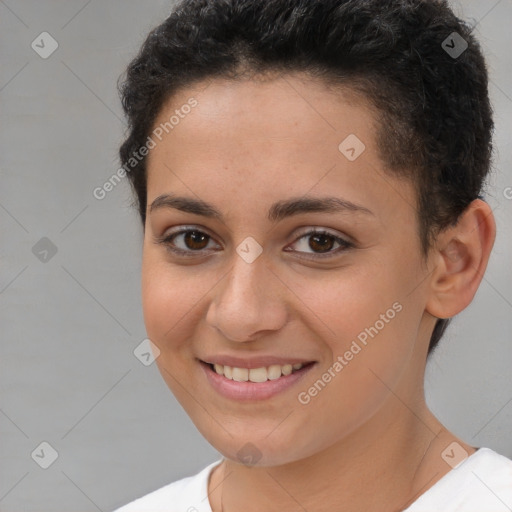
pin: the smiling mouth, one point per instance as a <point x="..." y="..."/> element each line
<point x="257" y="375"/>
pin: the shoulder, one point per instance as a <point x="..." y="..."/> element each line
<point x="186" y="495"/>
<point x="482" y="482"/>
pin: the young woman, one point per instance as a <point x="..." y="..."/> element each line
<point x="308" y="175"/>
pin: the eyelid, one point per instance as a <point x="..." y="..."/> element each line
<point x="312" y="230"/>
<point x="186" y="227"/>
<point x="165" y="239"/>
<point x="345" y="244"/>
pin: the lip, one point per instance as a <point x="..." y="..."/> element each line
<point x="252" y="362"/>
<point x="253" y="391"/>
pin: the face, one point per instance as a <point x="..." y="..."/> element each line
<point x="275" y="242"/>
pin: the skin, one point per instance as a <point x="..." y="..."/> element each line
<point x="246" y="145"/>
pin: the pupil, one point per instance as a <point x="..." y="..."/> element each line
<point x="319" y="246"/>
<point x="194" y="239"/>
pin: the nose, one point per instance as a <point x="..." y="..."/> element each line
<point x="249" y="302"/>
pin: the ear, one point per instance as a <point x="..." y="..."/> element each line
<point x="460" y="258"/>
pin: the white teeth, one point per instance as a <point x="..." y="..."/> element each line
<point x="273" y="372"/>
<point x="241" y="374"/>
<point x="258" y="374"/>
<point x="286" y="369"/>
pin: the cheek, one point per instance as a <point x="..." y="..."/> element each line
<point x="372" y="348"/>
<point x="171" y="302"/>
<point x="167" y="297"/>
<point x="370" y="320"/>
<point x="351" y="305"/>
<point x="174" y="299"/>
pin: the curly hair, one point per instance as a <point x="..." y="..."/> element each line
<point x="434" y="115"/>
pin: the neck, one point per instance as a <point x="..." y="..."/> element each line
<point x="386" y="464"/>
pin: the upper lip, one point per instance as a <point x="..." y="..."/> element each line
<point x="253" y="362"/>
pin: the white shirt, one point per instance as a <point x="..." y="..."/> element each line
<point x="482" y="483"/>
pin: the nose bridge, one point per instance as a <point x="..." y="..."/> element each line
<point x="247" y="301"/>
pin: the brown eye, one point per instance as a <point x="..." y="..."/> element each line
<point x="321" y="244"/>
<point x="195" y="240"/>
<point x="186" y="242"/>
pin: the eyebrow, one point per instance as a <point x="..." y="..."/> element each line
<point x="277" y="212"/>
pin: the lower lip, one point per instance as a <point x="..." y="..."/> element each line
<point x="248" y="391"/>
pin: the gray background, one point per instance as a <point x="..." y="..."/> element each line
<point x="69" y="325"/>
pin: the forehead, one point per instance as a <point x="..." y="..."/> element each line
<point x="261" y="139"/>
<point x="291" y="108"/>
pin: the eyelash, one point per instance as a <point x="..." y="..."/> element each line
<point x="344" y="244"/>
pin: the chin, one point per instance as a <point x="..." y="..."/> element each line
<point x="260" y="451"/>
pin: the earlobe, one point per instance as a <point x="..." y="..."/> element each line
<point x="460" y="257"/>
